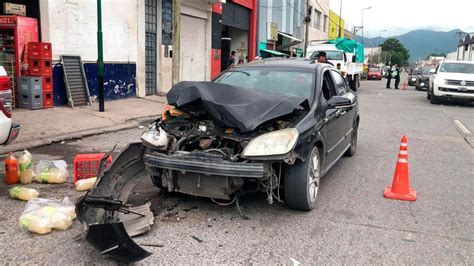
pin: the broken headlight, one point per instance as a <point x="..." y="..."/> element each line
<point x="155" y="137"/>
<point x="274" y="143"/>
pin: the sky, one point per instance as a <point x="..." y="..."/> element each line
<point x="401" y="16"/>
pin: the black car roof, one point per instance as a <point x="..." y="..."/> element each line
<point x="300" y="63"/>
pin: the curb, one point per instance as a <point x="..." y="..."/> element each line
<point x="465" y="132"/>
<point x="132" y="123"/>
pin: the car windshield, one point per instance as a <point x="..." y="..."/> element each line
<point x="284" y="81"/>
<point x="330" y="55"/>
<point x="464" y="68"/>
<point x="415" y="72"/>
<point x="374" y="69"/>
<point x="426" y="71"/>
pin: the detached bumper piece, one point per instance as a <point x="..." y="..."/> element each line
<point x="99" y="209"/>
<point x="205" y="163"/>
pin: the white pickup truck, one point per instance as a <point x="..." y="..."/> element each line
<point x="349" y="66"/>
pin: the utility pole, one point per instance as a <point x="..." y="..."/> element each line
<point x="307" y="20"/>
<point x="340" y="20"/>
<point x="100" y="57"/>
<point x="459" y="33"/>
<point x="176" y="17"/>
<point x="362" y="27"/>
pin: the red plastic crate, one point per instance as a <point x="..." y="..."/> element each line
<point x="87" y="165"/>
<point x="38" y="50"/>
<point x="39" y="67"/>
<point x="47" y="83"/>
<point x="48" y="100"/>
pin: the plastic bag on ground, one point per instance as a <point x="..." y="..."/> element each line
<point x="52" y="172"/>
<point x="43" y="215"/>
<point x="85" y="184"/>
<point x="23" y="193"/>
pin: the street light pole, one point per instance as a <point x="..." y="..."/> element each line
<point x="100" y="57"/>
<point x="340" y="20"/>
<point x="363" y="9"/>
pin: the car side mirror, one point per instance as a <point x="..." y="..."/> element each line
<point x="339" y="102"/>
<point x="433" y="71"/>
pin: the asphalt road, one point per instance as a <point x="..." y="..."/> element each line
<point x="351" y="224"/>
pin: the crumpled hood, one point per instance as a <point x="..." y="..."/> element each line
<point x="233" y="106"/>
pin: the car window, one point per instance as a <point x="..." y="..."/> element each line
<point x="328" y="86"/>
<point x="374" y="69"/>
<point x="330" y="55"/>
<point x="290" y="82"/>
<point x="339" y="83"/>
<point x="464" y="68"/>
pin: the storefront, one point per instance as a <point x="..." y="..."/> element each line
<point x="233" y="29"/>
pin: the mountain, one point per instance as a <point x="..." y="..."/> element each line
<point x="421" y="43"/>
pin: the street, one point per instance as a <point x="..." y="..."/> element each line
<point x="352" y="222"/>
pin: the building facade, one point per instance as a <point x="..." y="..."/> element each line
<point x="336" y="26"/>
<point x="465" y="50"/>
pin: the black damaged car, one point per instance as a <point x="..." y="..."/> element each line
<point x="269" y="126"/>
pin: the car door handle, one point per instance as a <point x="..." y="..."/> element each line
<point x="340" y="113"/>
<point x="325" y="120"/>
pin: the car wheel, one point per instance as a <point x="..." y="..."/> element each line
<point x="352" y="149"/>
<point x="428" y="95"/>
<point x="434" y="99"/>
<point x="417" y="88"/>
<point x="302" y="182"/>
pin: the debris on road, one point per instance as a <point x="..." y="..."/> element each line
<point x="23" y="193"/>
<point x="197" y="239"/>
<point x="43" y="215"/>
<point x="138" y="221"/>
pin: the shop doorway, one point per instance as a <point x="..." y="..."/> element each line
<point x="235" y="33"/>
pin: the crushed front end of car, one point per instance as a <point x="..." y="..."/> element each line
<point x="207" y="143"/>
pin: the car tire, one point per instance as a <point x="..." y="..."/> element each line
<point x="428" y="95"/>
<point x="417" y="88"/>
<point x="434" y="99"/>
<point x="302" y="181"/>
<point x="352" y="149"/>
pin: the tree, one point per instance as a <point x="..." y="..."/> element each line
<point x="395" y="52"/>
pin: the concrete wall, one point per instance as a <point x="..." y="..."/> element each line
<point x="71" y="25"/>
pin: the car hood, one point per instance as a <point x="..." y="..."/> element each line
<point x="456" y="76"/>
<point x="232" y="106"/>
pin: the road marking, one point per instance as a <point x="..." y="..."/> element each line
<point x="461" y="128"/>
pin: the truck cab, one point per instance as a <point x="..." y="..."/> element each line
<point x="347" y="60"/>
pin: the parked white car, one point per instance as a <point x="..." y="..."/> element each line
<point x="8" y="130"/>
<point x="452" y="79"/>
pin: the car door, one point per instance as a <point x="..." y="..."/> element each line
<point x="333" y="128"/>
<point x="347" y="114"/>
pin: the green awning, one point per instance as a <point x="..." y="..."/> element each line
<point x="276" y="53"/>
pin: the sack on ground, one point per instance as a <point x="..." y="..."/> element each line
<point x="52" y="172"/>
<point x="43" y="215"/>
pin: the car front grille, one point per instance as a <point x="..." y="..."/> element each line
<point x="455" y="90"/>
<point x="456" y="82"/>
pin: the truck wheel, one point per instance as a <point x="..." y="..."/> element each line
<point x="434" y="99"/>
<point x="353" y="85"/>
<point x="302" y="182"/>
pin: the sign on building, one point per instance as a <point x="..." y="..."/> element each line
<point x="272" y="31"/>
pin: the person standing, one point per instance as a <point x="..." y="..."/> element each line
<point x="397" y="77"/>
<point x="321" y="58"/>
<point x="389" y="77"/>
<point x="232" y="59"/>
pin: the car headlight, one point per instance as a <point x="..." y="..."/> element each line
<point x="274" y="143"/>
<point x="422" y="84"/>
<point x="156" y="137"/>
<point x="413" y="79"/>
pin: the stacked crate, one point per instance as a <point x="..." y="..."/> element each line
<point x="37" y="59"/>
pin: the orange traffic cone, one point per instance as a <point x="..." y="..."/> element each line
<point x="401" y="182"/>
<point x="404" y="86"/>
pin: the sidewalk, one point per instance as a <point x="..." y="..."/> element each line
<point x="42" y="127"/>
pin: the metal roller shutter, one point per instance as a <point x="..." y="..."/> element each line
<point x="235" y="16"/>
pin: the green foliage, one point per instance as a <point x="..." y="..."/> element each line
<point x="393" y="52"/>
